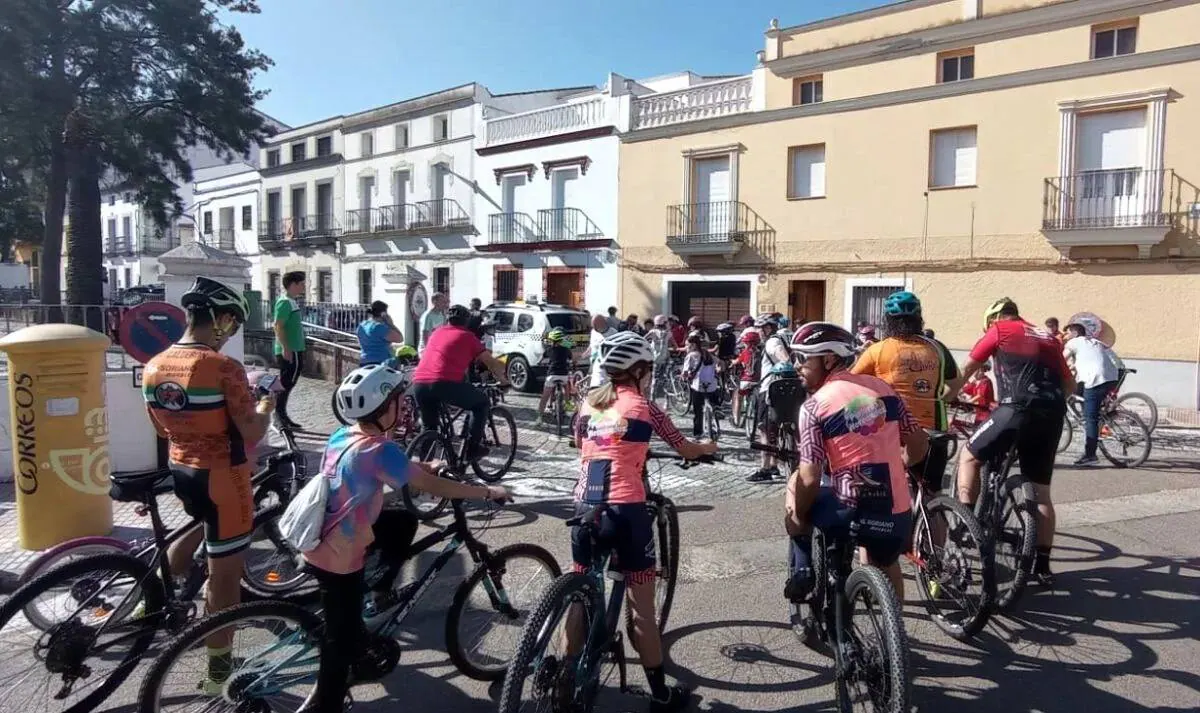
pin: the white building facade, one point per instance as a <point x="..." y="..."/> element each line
<point x="226" y="215"/>
<point x="132" y="241"/>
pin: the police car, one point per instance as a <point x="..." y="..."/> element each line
<point x="520" y="332"/>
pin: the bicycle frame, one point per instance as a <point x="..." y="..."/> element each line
<point x="838" y="554"/>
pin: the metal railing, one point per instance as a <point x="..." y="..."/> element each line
<point x="343" y="317"/>
<point x="1119" y="198"/>
<point x="105" y="319"/>
<point x="548" y="122"/>
<point x="513" y="228"/>
<point x="719" y="222"/>
<point x="440" y="213"/>
<point x="148" y="243"/>
<point x="705" y="101"/>
<point x="223" y="239"/>
<point x="567" y="224"/>
<point x="300" y="231"/>
<point x="383" y="219"/>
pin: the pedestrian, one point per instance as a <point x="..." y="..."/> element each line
<point x="647" y="326"/>
<point x="476" y="307"/>
<point x="376" y="335"/>
<point x="678" y="332"/>
<point x="1097" y="369"/>
<point x="433" y="318"/>
<point x="631" y="325"/>
<point x="614" y="322"/>
<point x="600" y="331"/>
<point x="289" y="342"/>
<point x="700" y="368"/>
<point x="979" y="392"/>
<point x="1052" y="327"/>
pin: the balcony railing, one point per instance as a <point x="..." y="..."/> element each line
<point x="730" y="96"/>
<point x="308" y="231"/>
<point x="1119" y="198"/>
<point x="439" y="214"/>
<point x="513" y="229"/>
<point x="383" y="219"/>
<point x="567" y="224"/>
<point x="548" y="122"/>
<point x="223" y="239"/>
<point x="711" y="228"/>
<point x="152" y="242"/>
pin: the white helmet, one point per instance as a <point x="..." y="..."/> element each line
<point x="365" y="389"/>
<point x="622" y="350"/>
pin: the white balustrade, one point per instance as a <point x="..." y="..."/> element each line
<point x="553" y="120"/>
<point x="705" y="101"/>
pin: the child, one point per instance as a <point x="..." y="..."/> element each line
<point x="358" y="461"/>
<point x="700" y="367"/>
<point x="561" y="361"/>
<point x="978" y="391"/>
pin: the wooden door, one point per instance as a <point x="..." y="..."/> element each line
<point x="564" y="288"/>
<point x="806" y="299"/>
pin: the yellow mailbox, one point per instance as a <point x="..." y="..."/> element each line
<point x="59" y="430"/>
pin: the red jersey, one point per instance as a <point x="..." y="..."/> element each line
<point x="1029" y="362"/>
<point x="447" y="356"/>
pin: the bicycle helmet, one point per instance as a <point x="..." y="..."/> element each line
<point x="1000" y="305"/>
<point x="555" y="336"/>
<point x="784" y="369"/>
<point x="660" y="320"/>
<point x="405" y="352"/>
<point x="783" y="322"/>
<point x="867" y="331"/>
<point x="751" y="337"/>
<point x="819" y="338"/>
<point x="767" y="319"/>
<point x="622" y="350"/>
<point x="903" y="303"/>
<point x="366" y="389"/>
<point x="459" y="316"/>
<point x="695" y="322"/>
<point x="725" y="327"/>
<point x="207" y="293"/>
<point x="745" y="321"/>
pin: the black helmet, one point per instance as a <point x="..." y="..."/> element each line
<point x="458" y="315"/>
<point x="207" y="293"/>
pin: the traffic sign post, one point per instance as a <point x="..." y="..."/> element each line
<point x="149" y="328"/>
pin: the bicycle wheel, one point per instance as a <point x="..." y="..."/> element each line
<point x="428" y="446"/>
<point x="274" y="569"/>
<point x="275" y="662"/>
<point x="878" y="677"/>
<point x="1142" y="406"/>
<point x="1124" y="439"/>
<point x="952" y="575"/>
<point x="69" y="551"/>
<point x="84" y="655"/>
<point x="710" y="418"/>
<point x="1067" y="434"/>
<point x="560" y="411"/>
<point x="678" y="396"/>
<point x="481" y="640"/>
<point x="538" y="679"/>
<point x="500" y="436"/>
<point x="666" y="531"/>
<point x="750" y="408"/>
<point x="1014" y="538"/>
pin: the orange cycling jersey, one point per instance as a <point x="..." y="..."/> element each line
<point x="194" y="395"/>
<point x="917" y="369"/>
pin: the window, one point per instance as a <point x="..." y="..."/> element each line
<point x="866" y="300"/>
<point x="324" y="285"/>
<point x="808" y="90"/>
<point x="401" y="136"/>
<point x="524" y="322"/>
<point x="247" y="217"/>
<point x="112" y="227"/>
<point x="129" y="277"/>
<point x="298" y="152"/>
<point x="952" y="157"/>
<point x="806" y="171"/>
<point x="441" y="128"/>
<point x="324" y="145"/>
<point x="112" y="199"/>
<point x="508" y="285"/>
<point x="272" y="158"/>
<point x="208" y="222"/>
<point x="367" y="143"/>
<point x="503" y="319"/>
<point x="1110" y="41"/>
<point x="956" y="66"/>
<point x="127" y="226"/>
<point x="272" y="287"/>
<point x="365" y="279"/>
<point x="441" y="280"/>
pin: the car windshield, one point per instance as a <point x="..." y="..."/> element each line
<point x="571" y="322"/>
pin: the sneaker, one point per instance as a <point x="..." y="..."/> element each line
<point x="678" y="698"/>
<point x="1044" y="578"/>
<point x="211" y="688"/>
<point x="1087" y="460"/>
<point x="799" y="585"/>
<point x="763" y="475"/>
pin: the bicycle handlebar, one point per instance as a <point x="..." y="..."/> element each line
<point x="682" y="463"/>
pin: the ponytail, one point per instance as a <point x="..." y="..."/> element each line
<point x="602" y="396"/>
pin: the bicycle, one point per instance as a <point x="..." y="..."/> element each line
<point x="288" y="654"/>
<point x="565" y="404"/>
<point x="785" y="396"/>
<point x="116" y="597"/>
<point x="941" y="571"/>
<point x="576" y="687"/>
<point x="1141" y="405"/>
<point x="1125" y="440"/>
<point x="712" y="426"/>
<point x="449" y="443"/>
<point x="1006" y="510"/>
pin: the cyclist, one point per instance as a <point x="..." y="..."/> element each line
<point x="921" y="370"/>
<point x="859" y="430"/>
<point x="749" y="343"/>
<point x="700" y="371"/>
<point x="559" y="372"/>
<point x="661" y="343"/>
<point x="1033" y="379"/>
<point x="440" y="376"/>
<point x="774" y="351"/>
<point x="745" y="322"/>
<point x="695" y="328"/>
<point x="614" y="431"/>
<point x="201" y="402"/>
<point x="784" y="323"/>
<point x="358" y="461"/>
<point x="726" y="342"/>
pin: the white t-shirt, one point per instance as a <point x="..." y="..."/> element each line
<point x="704" y="376"/>
<point x="775" y="351"/>
<point x="659" y="339"/>
<point x="1095" y="362"/>
<point x="598" y="375"/>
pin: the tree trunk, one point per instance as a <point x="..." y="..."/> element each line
<point x="85" y="264"/>
<point x="50" y="282"/>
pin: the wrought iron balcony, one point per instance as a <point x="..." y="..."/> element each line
<point x="1126" y="206"/>
<point x="440" y="214"/>
<point x="704" y="101"/>
<point x="222" y="239"/>
<point x="719" y="228"/>
<point x="514" y="229"/>
<point x="568" y="224"/>
<point x="299" y="232"/>
<point x="554" y="229"/>
<point x="151" y="242"/>
<point x="422" y="218"/>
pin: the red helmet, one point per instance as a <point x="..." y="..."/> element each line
<point x="751" y="338"/>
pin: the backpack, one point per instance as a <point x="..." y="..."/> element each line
<point x="303" y="523"/>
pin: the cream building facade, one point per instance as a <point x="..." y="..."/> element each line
<point x="964" y="149"/>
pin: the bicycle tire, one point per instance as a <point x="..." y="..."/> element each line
<point x="499" y="418"/>
<point x="78" y="548"/>
<point x="714" y="428"/>
<point x="293" y="585"/>
<point x="972" y="623"/>
<point x="666" y="530"/>
<point x="150" y="592"/>
<point x="1132" y="423"/>
<point x="1067" y="434"/>
<point x="679" y="397"/>
<point x="493" y="561"/>
<point x="421" y="449"/>
<point x="149" y="699"/>
<point x="1018" y="490"/>
<point x="872" y="581"/>
<point x="561" y="594"/>
<point x="750" y="408"/>
<point x="560" y="411"/>
<point x="1150" y="415"/>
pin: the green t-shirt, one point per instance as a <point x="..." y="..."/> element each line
<point x="287" y="311"/>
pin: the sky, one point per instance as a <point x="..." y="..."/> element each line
<point x="342" y="56"/>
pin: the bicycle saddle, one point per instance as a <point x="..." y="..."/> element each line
<point x="139" y="486"/>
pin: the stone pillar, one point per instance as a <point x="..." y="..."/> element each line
<point x="182" y="265"/>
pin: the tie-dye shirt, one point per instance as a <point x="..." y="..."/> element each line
<point x="356" y="478"/>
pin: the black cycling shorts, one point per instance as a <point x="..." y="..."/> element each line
<point x="883" y="535"/>
<point x="1033" y="428"/>
<point x="628" y="530"/>
<point x="931" y="471"/>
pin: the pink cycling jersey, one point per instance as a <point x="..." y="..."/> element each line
<point x="614" y="442"/>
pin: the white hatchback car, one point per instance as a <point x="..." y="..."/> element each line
<point x="520" y="331"/>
